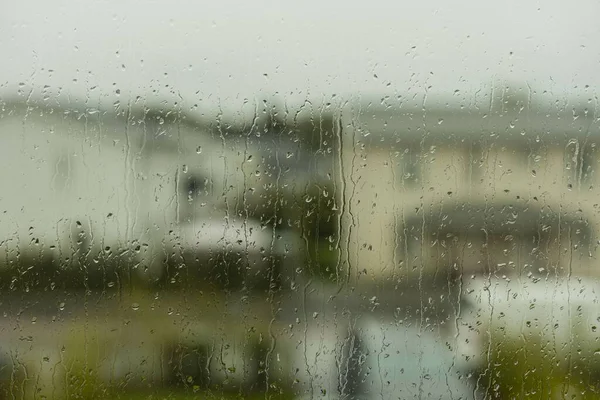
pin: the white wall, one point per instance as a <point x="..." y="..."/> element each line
<point x="55" y="171"/>
<point x="121" y="182"/>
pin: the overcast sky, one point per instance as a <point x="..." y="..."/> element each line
<point x="229" y="53"/>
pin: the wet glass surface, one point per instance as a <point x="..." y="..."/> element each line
<point x="311" y="201"/>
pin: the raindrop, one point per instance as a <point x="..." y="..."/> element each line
<point x="135" y="306"/>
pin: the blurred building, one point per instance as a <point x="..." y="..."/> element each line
<point x="84" y="186"/>
<point x="502" y="186"/>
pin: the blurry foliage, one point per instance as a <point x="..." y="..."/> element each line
<point x="318" y="224"/>
<point x="528" y="367"/>
<point x="92" y="347"/>
<point x="198" y="395"/>
<point x="316" y="133"/>
<point x="82" y="379"/>
<point x="106" y="270"/>
<point x="311" y="209"/>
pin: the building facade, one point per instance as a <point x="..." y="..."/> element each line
<point x="81" y="183"/>
<point x="505" y="188"/>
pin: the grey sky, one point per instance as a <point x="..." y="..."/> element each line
<point x="228" y="51"/>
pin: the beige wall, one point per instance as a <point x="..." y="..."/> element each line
<point x="377" y="202"/>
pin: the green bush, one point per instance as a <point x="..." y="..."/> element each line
<point x="530" y="368"/>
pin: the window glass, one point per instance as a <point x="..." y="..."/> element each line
<point x="309" y="200"/>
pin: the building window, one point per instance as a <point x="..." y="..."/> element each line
<point x="193" y="188"/>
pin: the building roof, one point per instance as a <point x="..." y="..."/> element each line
<point x="387" y="124"/>
<point x="162" y="126"/>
